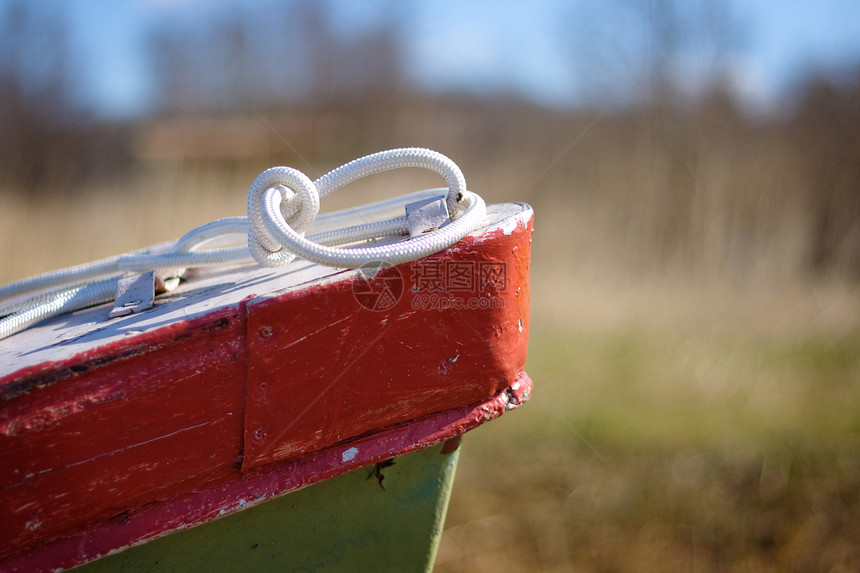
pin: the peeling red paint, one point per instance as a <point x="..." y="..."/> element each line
<point x="172" y="426"/>
<point x="138" y="525"/>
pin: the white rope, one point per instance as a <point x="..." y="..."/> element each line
<point x="62" y="302"/>
<point x="283" y="204"/>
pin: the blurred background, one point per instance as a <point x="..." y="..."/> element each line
<point x="695" y="171"/>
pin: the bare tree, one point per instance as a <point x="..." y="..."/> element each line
<point x="644" y="51"/>
<point x="223" y="65"/>
<point x="827" y="131"/>
<point x="35" y="99"/>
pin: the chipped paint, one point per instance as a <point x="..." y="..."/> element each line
<point x="522" y="219"/>
<point x="225" y="497"/>
<point x="153" y="429"/>
<point x="349" y="454"/>
<point x="328" y="336"/>
<point x="509" y="226"/>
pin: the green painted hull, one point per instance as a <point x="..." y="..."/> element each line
<point x="353" y="522"/>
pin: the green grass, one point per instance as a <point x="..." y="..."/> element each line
<point x="644" y="388"/>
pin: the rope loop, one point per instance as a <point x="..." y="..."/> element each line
<point x="283" y="202"/>
<point x="298" y="203"/>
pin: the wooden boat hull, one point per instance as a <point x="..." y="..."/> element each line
<point x="244" y="385"/>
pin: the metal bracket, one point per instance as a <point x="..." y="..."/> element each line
<point x="427" y="215"/>
<point x="137" y="293"/>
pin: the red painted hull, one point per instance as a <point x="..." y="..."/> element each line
<point x="139" y="432"/>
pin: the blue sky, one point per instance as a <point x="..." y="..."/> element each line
<point x="472" y="45"/>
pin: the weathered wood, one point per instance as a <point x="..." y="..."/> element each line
<point x="162" y="418"/>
